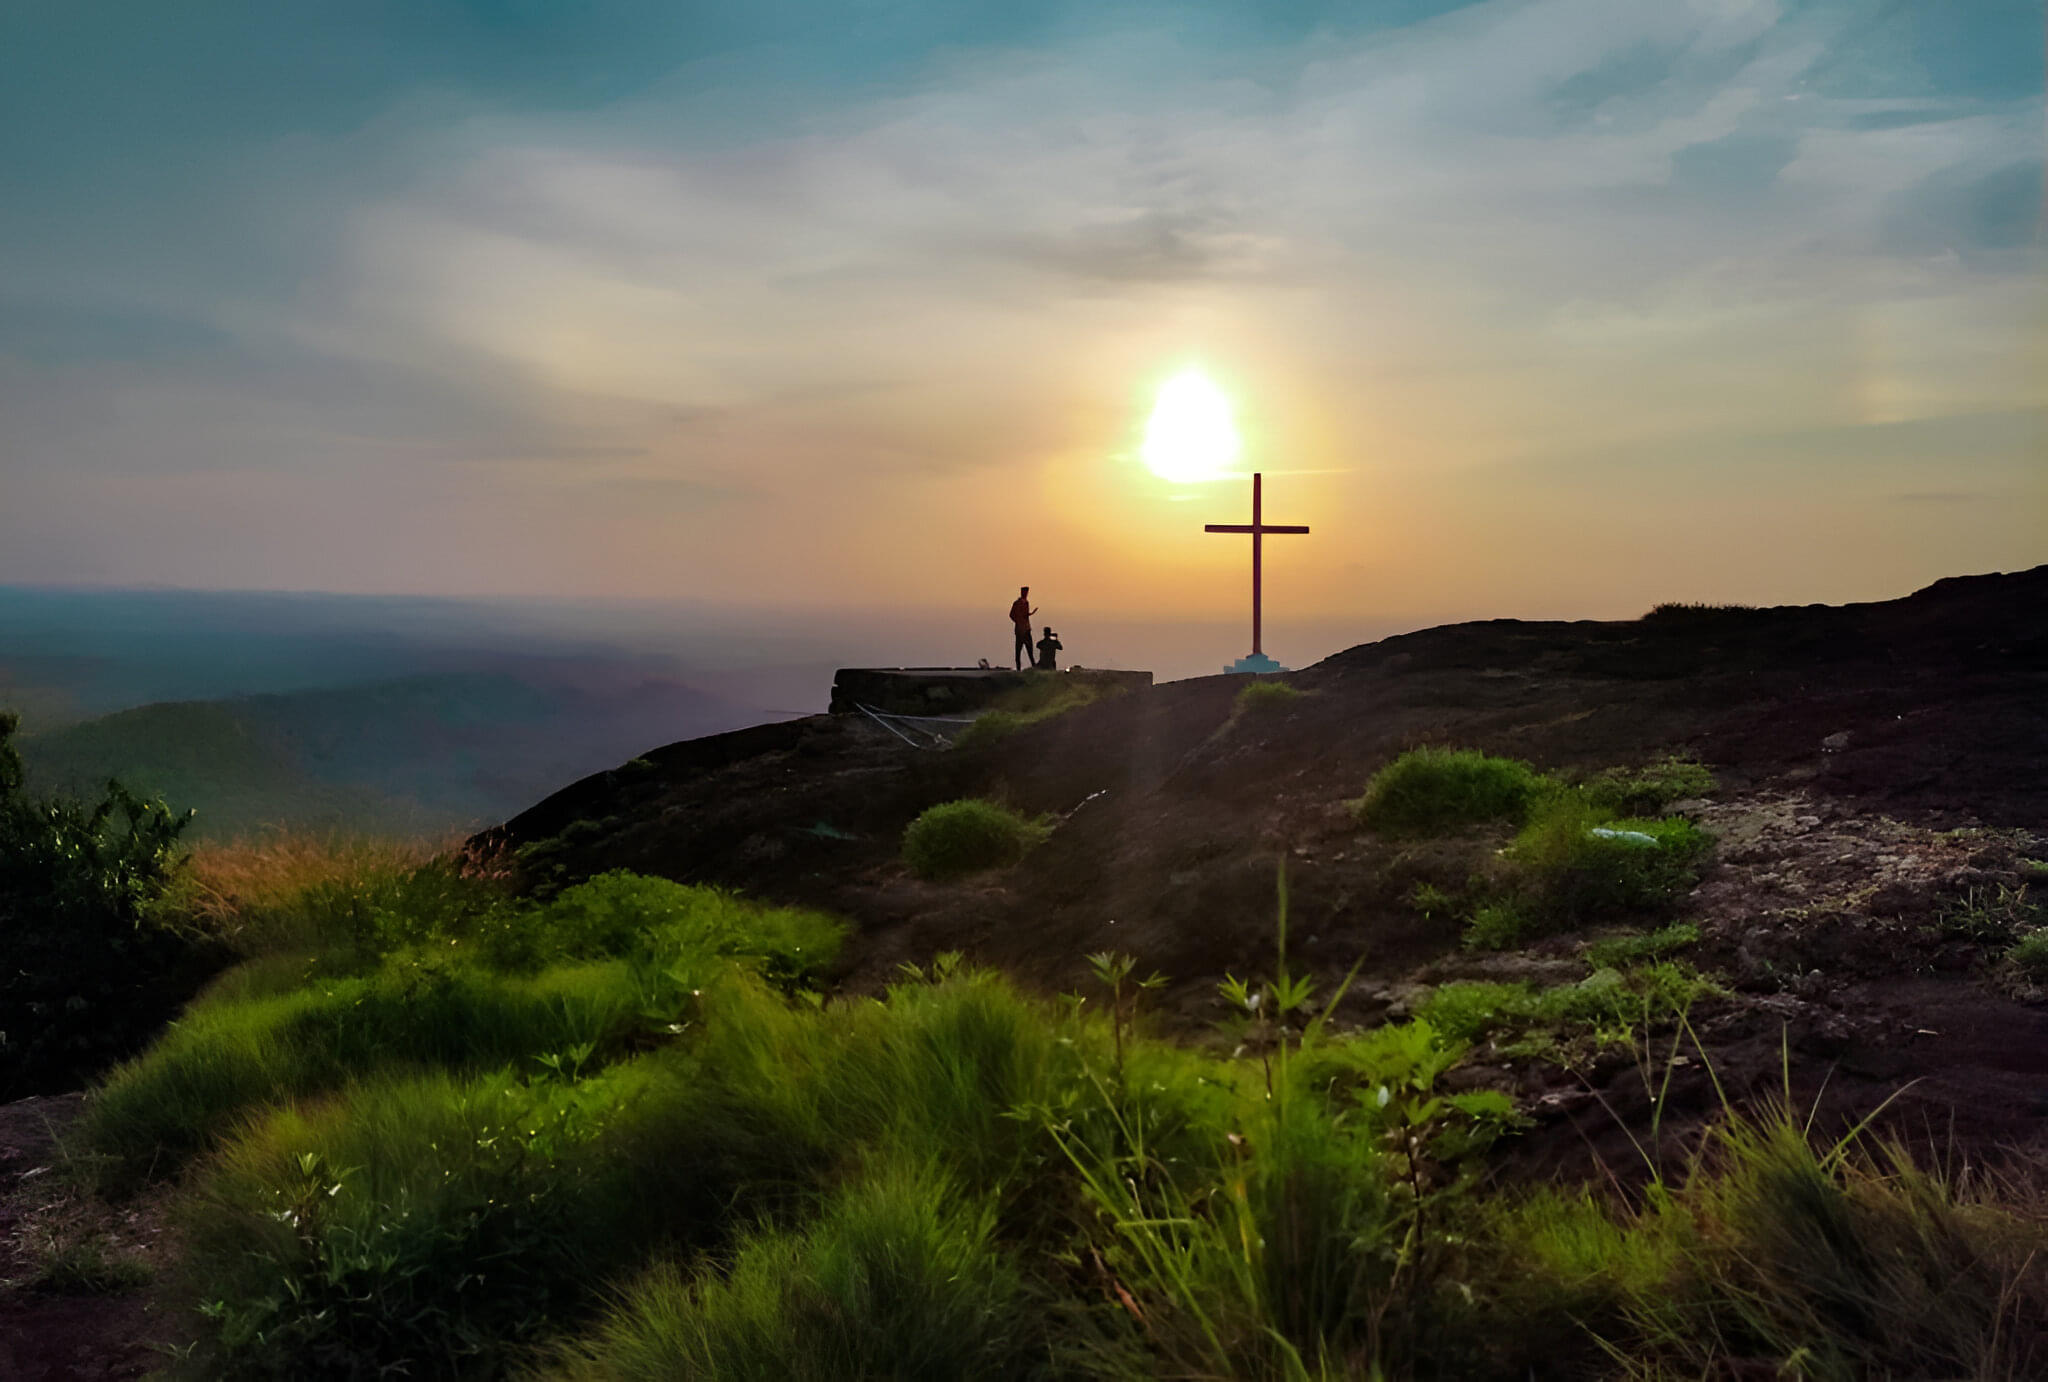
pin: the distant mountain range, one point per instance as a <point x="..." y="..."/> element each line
<point x="423" y="754"/>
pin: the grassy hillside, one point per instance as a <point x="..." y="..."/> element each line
<point x="1661" y="999"/>
<point x="430" y="1129"/>
<point x="229" y="765"/>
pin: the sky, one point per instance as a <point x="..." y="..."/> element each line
<point x="1527" y="307"/>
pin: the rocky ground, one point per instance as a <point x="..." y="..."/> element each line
<point x="1883" y="771"/>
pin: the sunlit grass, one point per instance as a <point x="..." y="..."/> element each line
<point x="619" y="1136"/>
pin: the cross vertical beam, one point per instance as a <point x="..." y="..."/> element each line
<point x="1258" y="528"/>
<point x="1258" y="556"/>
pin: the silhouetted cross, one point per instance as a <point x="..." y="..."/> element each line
<point x="1258" y="528"/>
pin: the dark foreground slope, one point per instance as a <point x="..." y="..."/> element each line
<point x="1880" y="765"/>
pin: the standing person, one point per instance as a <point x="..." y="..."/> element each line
<point x="1020" y="619"/>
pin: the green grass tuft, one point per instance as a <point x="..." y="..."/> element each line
<point x="1500" y="924"/>
<point x="1261" y="696"/>
<point x="597" y="971"/>
<point x="900" y="1276"/>
<point x="1652" y="945"/>
<point x="1043" y="698"/>
<point x="1615" y="999"/>
<point x="427" y="1226"/>
<point x="1989" y="916"/>
<point x="1575" y="863"/>
<point x="1647" y="790"/>
<point x="961" y="837"/>
<point x="1430" y="789"/>
<point x="87" y="1266"/>
<point x="2030" y="957"/>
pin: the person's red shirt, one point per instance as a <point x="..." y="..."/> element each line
<point x="1020" y="613"/>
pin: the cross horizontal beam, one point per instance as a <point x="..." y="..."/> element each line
<point x="1249" y="528"/>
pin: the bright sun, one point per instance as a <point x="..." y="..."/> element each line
<point x="1190" y="437"/>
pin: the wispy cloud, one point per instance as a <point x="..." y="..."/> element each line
<point x="1516" y="233"/>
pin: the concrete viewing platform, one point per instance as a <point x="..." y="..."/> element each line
<point x="953" y="690"/>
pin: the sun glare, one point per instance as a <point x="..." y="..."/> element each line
<point x="1190" y="436"/>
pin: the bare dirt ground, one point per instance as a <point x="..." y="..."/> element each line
<point x="54" y="1331"/>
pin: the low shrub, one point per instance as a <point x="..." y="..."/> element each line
<point x="1262" y="696"/>
<point x="87" y="972"/>
<point x="1648" y="790"/>
<point x="1430" y="789"/>
<point x="959" y="837"/>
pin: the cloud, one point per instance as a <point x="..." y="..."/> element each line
<point x="1512" y="233"/>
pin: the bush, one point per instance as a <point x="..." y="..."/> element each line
<point x="1429" y="789"/>
<point x="1263" y="697"/>
<point x="1648" y="790"/>
<point x="1575" y="863"/>
<point x="86" y="973"/>
<point x="958" y="837"/>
